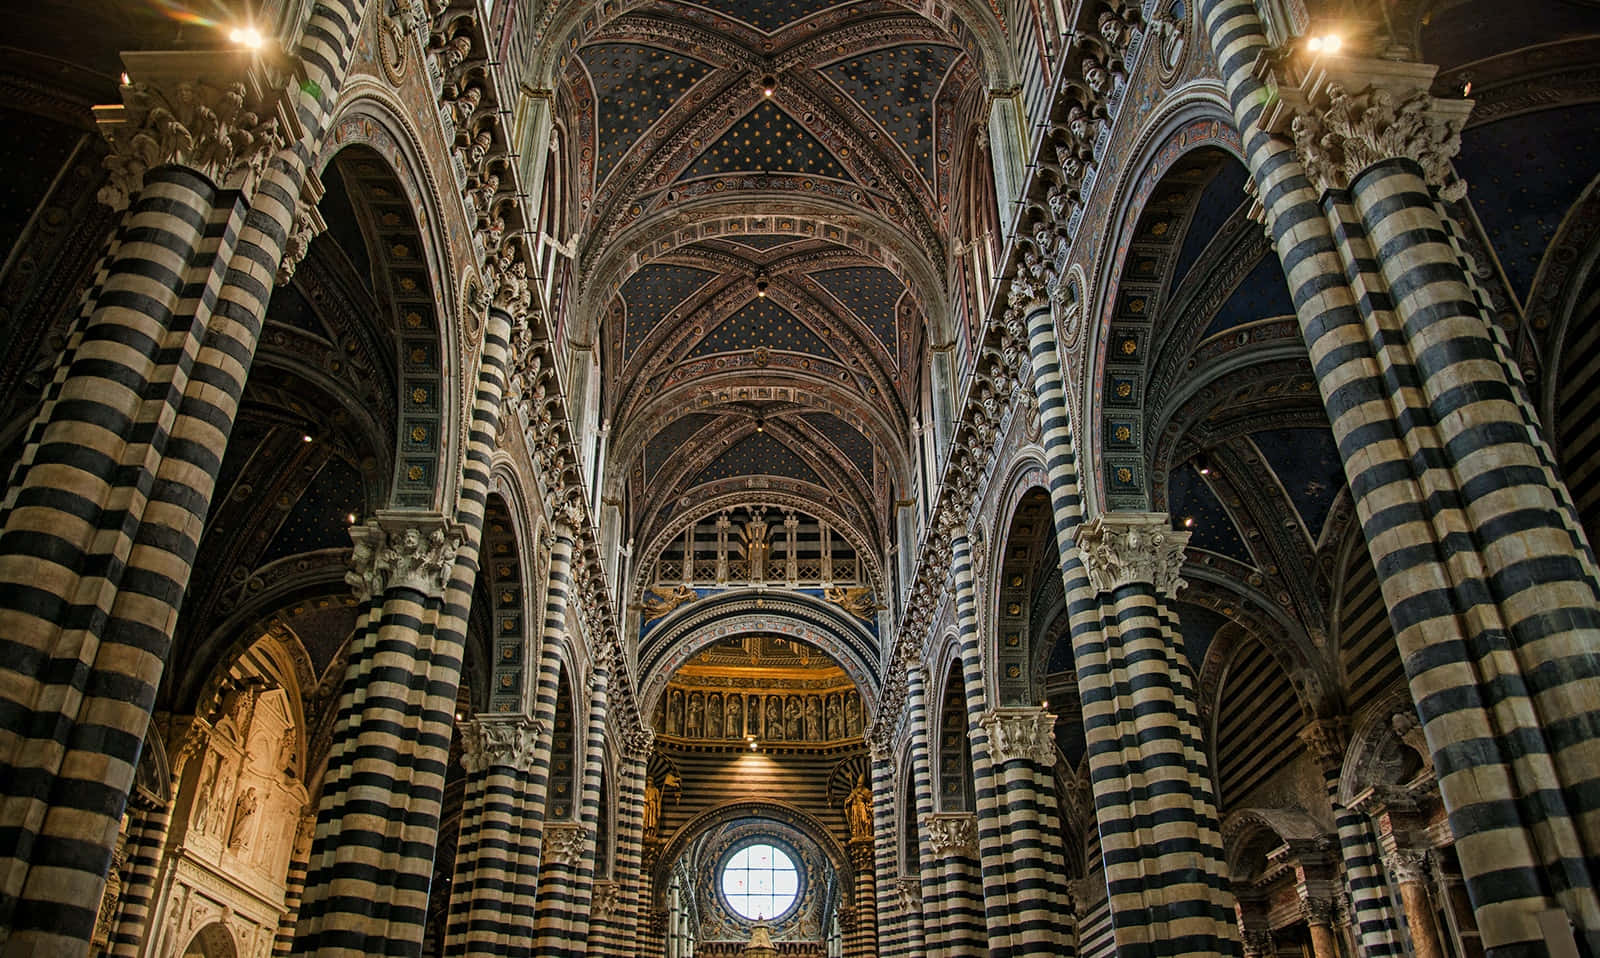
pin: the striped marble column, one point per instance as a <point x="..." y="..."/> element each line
<point x="1159" y="834"/>
<point x="491" y="900"/>
<point x="1489" y="583"/>
<point x="372" y="856"/>
<point x="955" y="919"/>
<point x="102" y="517"/>
<point x="1181" y="889"/>
<point x="1372" y="914"/>
<point x="1022" y="742"/>
<point x="889" y="921"/>
<point x="566" y="884"/>
<point x="925" y="932"/>
<point x="994" y="887"/>
<point x="628" y="868"/>
<point x="864" y="941"/>
<point x="147" y="839"/>
<point x="294" y="886"/>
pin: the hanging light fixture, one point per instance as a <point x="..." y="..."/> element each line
<point x="762" y="284"/>
<point x="769" y="85"/>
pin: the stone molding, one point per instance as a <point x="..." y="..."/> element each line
<point x="222" y="114"/>
<point x="952" y="833"/>
<point x="564" y="843"/>
<point x="1124" y="548"/>
<point x="1021" y="733"/>
<point x="487" y="742"/>
<point x="403" y="550"/>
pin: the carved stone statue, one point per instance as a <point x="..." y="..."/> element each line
<point x="813" y="719"/>
<point x="774" y="718"/>
<point x="858" y="810"/>
<point x="697" y="712"/>
<point x="835" y="719"/>
<point x="244" y="808"/>
<point x="796" y="727"/>
<point x="735" y="716"/>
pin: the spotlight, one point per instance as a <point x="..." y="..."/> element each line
<point x="752" y="746"/>
<point x="769" y="85"/>
<point x="1188" y="522"/>
<point x="306" y="437"/>
<point x="350" y="518"/>
<point x="247" y="36"/>
<point x="1326" y="43"/>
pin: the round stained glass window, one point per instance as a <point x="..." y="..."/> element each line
<point x="760" y="881"/>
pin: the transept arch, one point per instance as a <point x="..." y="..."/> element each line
<point x="699" y="624"/>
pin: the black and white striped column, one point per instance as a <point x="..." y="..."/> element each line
<point x="924" y="929"/>
<point x="1159" y="835"/>
<point x="567" y="884"/>
<point x="491" y="900"/>
<point x="1488" y="580"/>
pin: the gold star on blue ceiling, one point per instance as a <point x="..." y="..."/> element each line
<point x="762" y="323"/>
<point x="634" y="86"/>
<point x="766" y="140"/>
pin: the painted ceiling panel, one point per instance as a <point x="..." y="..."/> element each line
<point x="1263" y="295"/>
<point x="870" y="292"/>
<point x="634" y="85"/>
<point x="1525" y="174"/>
<point x="1191" y="497"/>
<point x="897" y="86"/>
<point x="1308" y="465"/>
<point x="1217" y="203"/>
<point x="766" y="140"/>
<point x="320" y="517"/>
<point x="768" y="16"/>
<point x="761" y="322"/>
<point x="856" y="447"/>
<point x="652" y="293"/>
<point x="758" y="454"/>
<point x="666" y="442"/>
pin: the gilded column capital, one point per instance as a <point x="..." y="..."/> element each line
<point x="220" y="113"/>
<point x="1021" y="733"/>
<point x="564" y="843"/>
<point x="952" y="833"/>
<point x="405" y="550"/>
<point x="487" y="742"/>
<point x="1121" y="548"/>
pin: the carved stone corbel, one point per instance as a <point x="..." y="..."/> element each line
<point x="1122" y="548"/>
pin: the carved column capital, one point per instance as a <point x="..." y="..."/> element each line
<point x="220" y="113"/>
<point x="1018" y="733"/>
<point x="564" y="842"/>
<point x="1121" y="548"/>
<point x="403" y="549"/>
<point x="1348" y="113"/>
<point x="952" y="833"/>
<point x="1407" y="865"/>
<point x="1320" y="911"/>
<point x="487" y="742"/>
<point x="639" y="742"/>
<point x="1326" y="740"/>
<point x="1257" y="943"/>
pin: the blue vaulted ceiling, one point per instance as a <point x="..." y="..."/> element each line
<point x="634" y="85"/>
<point x="761" y="322"/>
<point x="871" y="293"/>
<point x="768" y="16"/>
<point x="1191" y="497"/>
<point x="1307" y="463"/>
<point x="844" y="437"/>
<point x="652" y="293"/>
<point x="766" y="140"/>
<point x="897" y="86"/>
<point x="758" y="454"/>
